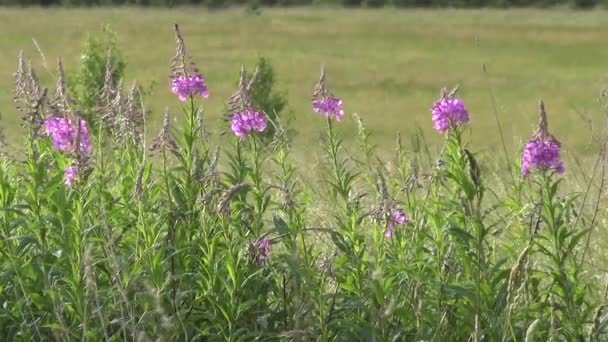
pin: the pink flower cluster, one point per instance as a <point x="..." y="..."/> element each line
<point x="65" y="134"/>
<point x="185" y="87"/>
<point x="330" y="107"/>
<point x="260" y="250"/>
<point x="70" y="174"/>
<point x="542" y="155"/>
<point x="397" y="218"/>
<point x="448" y="113"/>
<point x="244" y="123"/>
<point x="71" y="137"/>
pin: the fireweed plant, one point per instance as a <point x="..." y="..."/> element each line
<point x="106" y="236"/>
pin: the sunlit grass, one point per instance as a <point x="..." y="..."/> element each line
<point x="388" y="65"/>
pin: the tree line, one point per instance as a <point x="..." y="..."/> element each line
<point x="346" y="3"/>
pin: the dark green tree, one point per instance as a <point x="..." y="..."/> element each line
<point x="88" y="81"/>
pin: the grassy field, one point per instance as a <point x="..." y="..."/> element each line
<point x="387" y="65"/>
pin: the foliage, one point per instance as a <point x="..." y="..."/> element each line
<point x="89" y="80"/>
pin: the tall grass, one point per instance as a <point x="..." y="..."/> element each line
<point x="176" y="239"/>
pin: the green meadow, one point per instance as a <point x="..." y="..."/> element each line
<point x="388" y="65"/>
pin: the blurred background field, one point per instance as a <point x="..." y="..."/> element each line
<point x="388" y="65"/>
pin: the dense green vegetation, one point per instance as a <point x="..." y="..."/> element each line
<point x="110" y="232"/>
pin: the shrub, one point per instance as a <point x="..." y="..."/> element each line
<point x="374" y="3"/>
<point x="584" y="4"/>
<point x="89" y="79"/>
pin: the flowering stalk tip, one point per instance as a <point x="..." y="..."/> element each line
<point x="66" y="135"/>
<point x="543" y="151"/>
<point x="70" y="175"/>
<point x="449" y="112"/>
<point x="247" y="122"/>
<point x="244" y="118"/>
<point x="188" y="86"/>
<point x="186" y="80"/>
<point x="396" y="218"/>
<point x="324" y="102"/>
<point x="259" y="250"/>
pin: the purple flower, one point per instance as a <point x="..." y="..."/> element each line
<point x="244" y="123"/>
<point x="64" y="133"/>
<point x="542" y="154"/>
<point x="184" y="87"/>
<point x="397" y="218"/>
<point x="448" y="113"/>
<point x="259" y="250"/>
<point x="70" y="174"/>
<point x="330" y="107"/>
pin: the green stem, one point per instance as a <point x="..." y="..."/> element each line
<point x="333" y="152"/>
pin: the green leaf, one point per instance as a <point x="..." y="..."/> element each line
<point x="461" y="234"/>
<point x="280" y="225"/>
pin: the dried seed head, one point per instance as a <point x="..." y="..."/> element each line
<point x="133" y="102"/>
<point x="21" y="77"/>
<point x="448" y="94"/>
<point x="62" y="101"/>
<point x="543" y="126"/>
<point x="595" y="330"/>
<point x="27" y="88"/>
<point x="112" y="105"/>
<point x="280" y="137"/>
<point x="112" y="102"/>
<point x="242" y="100"/>
<point x="326" y="265"/>
<point x="542" y="132"/>
<point x="532" y="330"/>
<point x="520" y="294"/>
<point x="223" y="207"/>
<point x="412" y="181"/>
<point x="36" y="90"/>
<point x="108" y="91"/>
<point x="385" y="199"/>
<point x="215" y="156"/>
<point x="321" y="90"/>
<point x="34" y="117"/>
<point x="399" y="145"/>
<point x="139" y="183"/>
<point x="210" y="176"/>
<point x="453" y="92"/>
<point x="164" y="138"/>
<point x="517" y="272"/>
<point x="131" y="119"/>
<point x="181" y="63"/>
